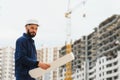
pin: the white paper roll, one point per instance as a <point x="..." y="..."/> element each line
<point x="37" y="72"/>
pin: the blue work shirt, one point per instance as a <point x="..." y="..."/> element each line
<point x="25" y="57"/>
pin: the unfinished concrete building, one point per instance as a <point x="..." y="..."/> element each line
<point x="103" y="54"/>
<point x="96" y="55"/>
<point x="78" y="65"/>
<point x="109" y="32"/>
<point x="80" y="51"/>
<point x="92" y="53"/>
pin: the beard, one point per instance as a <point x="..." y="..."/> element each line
<point x="31" y="34"/>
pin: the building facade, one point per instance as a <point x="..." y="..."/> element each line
<point x="96" y="55"/>
<point x="48" y="55"/>
<point x="7" y="64"/>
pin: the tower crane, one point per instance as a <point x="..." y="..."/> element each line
<point x="68" y="74"/>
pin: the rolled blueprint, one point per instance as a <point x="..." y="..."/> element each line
<point x="37" y="72"/>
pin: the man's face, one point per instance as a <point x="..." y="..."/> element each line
<point x="31" y="30"/>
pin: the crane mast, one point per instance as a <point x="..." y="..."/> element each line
<point x="68" y="73"/>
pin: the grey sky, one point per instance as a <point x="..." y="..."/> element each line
<point x="50" y="13"/>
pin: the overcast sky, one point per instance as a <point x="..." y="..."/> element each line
<point x="50" y="14"/>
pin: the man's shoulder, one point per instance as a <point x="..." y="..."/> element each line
<point x="21" y="39"/>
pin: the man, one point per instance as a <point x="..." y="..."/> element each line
<point x="25" y="53"/>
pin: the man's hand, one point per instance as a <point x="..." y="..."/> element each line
<point x="43" y="65"/>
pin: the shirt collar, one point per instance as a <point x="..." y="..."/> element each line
<point x="28" y="37"/>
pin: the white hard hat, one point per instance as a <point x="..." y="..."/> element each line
<point x="32" y="21"/>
